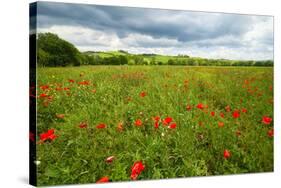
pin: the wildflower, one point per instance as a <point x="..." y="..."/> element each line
<point x="200" y="106"/>
<point x="37" y="162"/>
<point x="172" y="126"/>
<point x="212" y="113"/>
<point x="244" y="110"/>
<point x="266" y="120"/>
<point x="156" y="125"/>
<point x="188" y="107"/>
<point x="84" y="83"/>
<point x="31" y="136"/>
<point x="137" y="168"/>
<point x="156" y="118"/>
<point x="49" y="135"/>
<point x="167" y="120"/>
<point x="103" y="180"/>
<point x="226" y="154"/>
<point x="43" y="95"/>
<point x="221" y="124"/>
<point x="236" y="114"/>
<point x="83" y="125"/>
<point x="138" y="122"/>
<point x="44" y="87"/>
<point x="120" y="126"/>
<point x="109" y="159"/>
<point x="101" y="126"/>
<point x="142" y="94"/>
<point x="227" y="108"/>
<point x="270" y="133"/>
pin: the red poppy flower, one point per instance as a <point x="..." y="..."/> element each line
<point x="266" y="120"/>
<point x="58" y="89"/>
<point x="109" y="159"/>
<point x="213" y="113"/>
<point x="94" y="91"/>
<point x="101" y="126"/>
<point x="60" y="116"/>
<point x="227" y="108"/>
<point x="188" y="107"/>
<point x="226" y="154"/>
<point x="71" y="80"/>
<point x="31" y="136"/>
<point x="84" y="83"/>
<point x="137" y="168"/>
<point x="66" y="88"/>
<point x="103" y="180"/>
<point x="167" y="120"/>
<point x="222" y="115"/>
<point x="270" y="133"/>
<point x="43" y="95"/>
<point x="49" y="135"/>
<point x="142" y="94"/>
<point x="44" y="87"/>
<point x="236" y="114"/>
<point x="221" y="124"/>
<point x="138" y="122"/>
<point x="172" y="126"/>
<point x="156" y="118"/>
<point x="83" y="125"/>
<point x="156" y="124"/>
<point x="200" y="106"/>
<point x="244" y="110"/>
<point x="120" y="126"/>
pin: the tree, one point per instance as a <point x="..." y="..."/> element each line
<point x="54" y="51"/>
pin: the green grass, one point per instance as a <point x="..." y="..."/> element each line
<point x="163" y="58"/>
<point x="78" y="155"/>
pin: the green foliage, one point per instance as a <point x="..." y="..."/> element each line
<point x="78" y="155"/>
<point x="54" y="51"/>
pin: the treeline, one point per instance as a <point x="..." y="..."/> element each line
<point x="97" y="60"/>
<point x="53" y="51"/>
<point x="217" y="62"/>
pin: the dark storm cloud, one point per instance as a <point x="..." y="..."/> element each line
<point x="157" y="30"/>
<point x="181" y="25"/>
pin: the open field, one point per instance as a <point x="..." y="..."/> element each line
<point x="176" y="121"/>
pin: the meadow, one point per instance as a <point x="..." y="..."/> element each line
<point x="126" y="123"/>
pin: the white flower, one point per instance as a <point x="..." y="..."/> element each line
<point x="37" y="162"/>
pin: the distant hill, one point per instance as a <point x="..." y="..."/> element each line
<point x="182" y="59"/>
<point x="54" y="51"/>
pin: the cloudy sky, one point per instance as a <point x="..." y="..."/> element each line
<point x="139" y="30"/>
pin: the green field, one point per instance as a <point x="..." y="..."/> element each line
<point x="222" y="117"/>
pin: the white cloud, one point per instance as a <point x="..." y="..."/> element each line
<point x="254" y="44"/>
